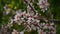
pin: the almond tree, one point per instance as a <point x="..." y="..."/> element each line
<point x="30" y="17"/>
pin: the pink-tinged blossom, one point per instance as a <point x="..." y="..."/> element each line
<point x="43" y="4"/>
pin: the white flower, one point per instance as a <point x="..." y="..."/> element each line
<point x="43" y="4"/>
<point x="21" y="32"/>
<point x="31" y="4"/>
<point x="44" y="32"/>
<point x="33" y="27"/>
<point x="5" y="7"/>
<point x="22" y="18"/>
<point x="28" y="21"/>
<point x="37" y="21"/>
<point x="29" y="18"/>
<point x="14" y="31"/>
<point x="43" y="23"/>
<point x="19" y="11"/>
<point x="28" y="8"/>
<point x="52" y="24"/>
<point x="24" y="12"/>
<point x="12" y="21"/>
<point x="39" y="31"/>
<point x="45" y="27"/>
<point x="17" y="17"/>
<point x="7" y="12"/>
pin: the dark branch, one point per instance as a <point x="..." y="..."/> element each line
<point x="29" y="5"/>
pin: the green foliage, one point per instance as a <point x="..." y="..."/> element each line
<point x="17" y="27"/>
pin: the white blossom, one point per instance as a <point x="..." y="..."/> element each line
<point x="14" y="32"/>
<point x="22" y="32"/>
<point x="43" y="5"/>
<point x="52" y="24"/>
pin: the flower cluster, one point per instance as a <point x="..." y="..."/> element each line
<point x="31" y="20"/>
<point x="27" y="18"/>
<point x="43" y="5"/>
<point x="7" y="9"/>
<point x="47" y="28"/>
